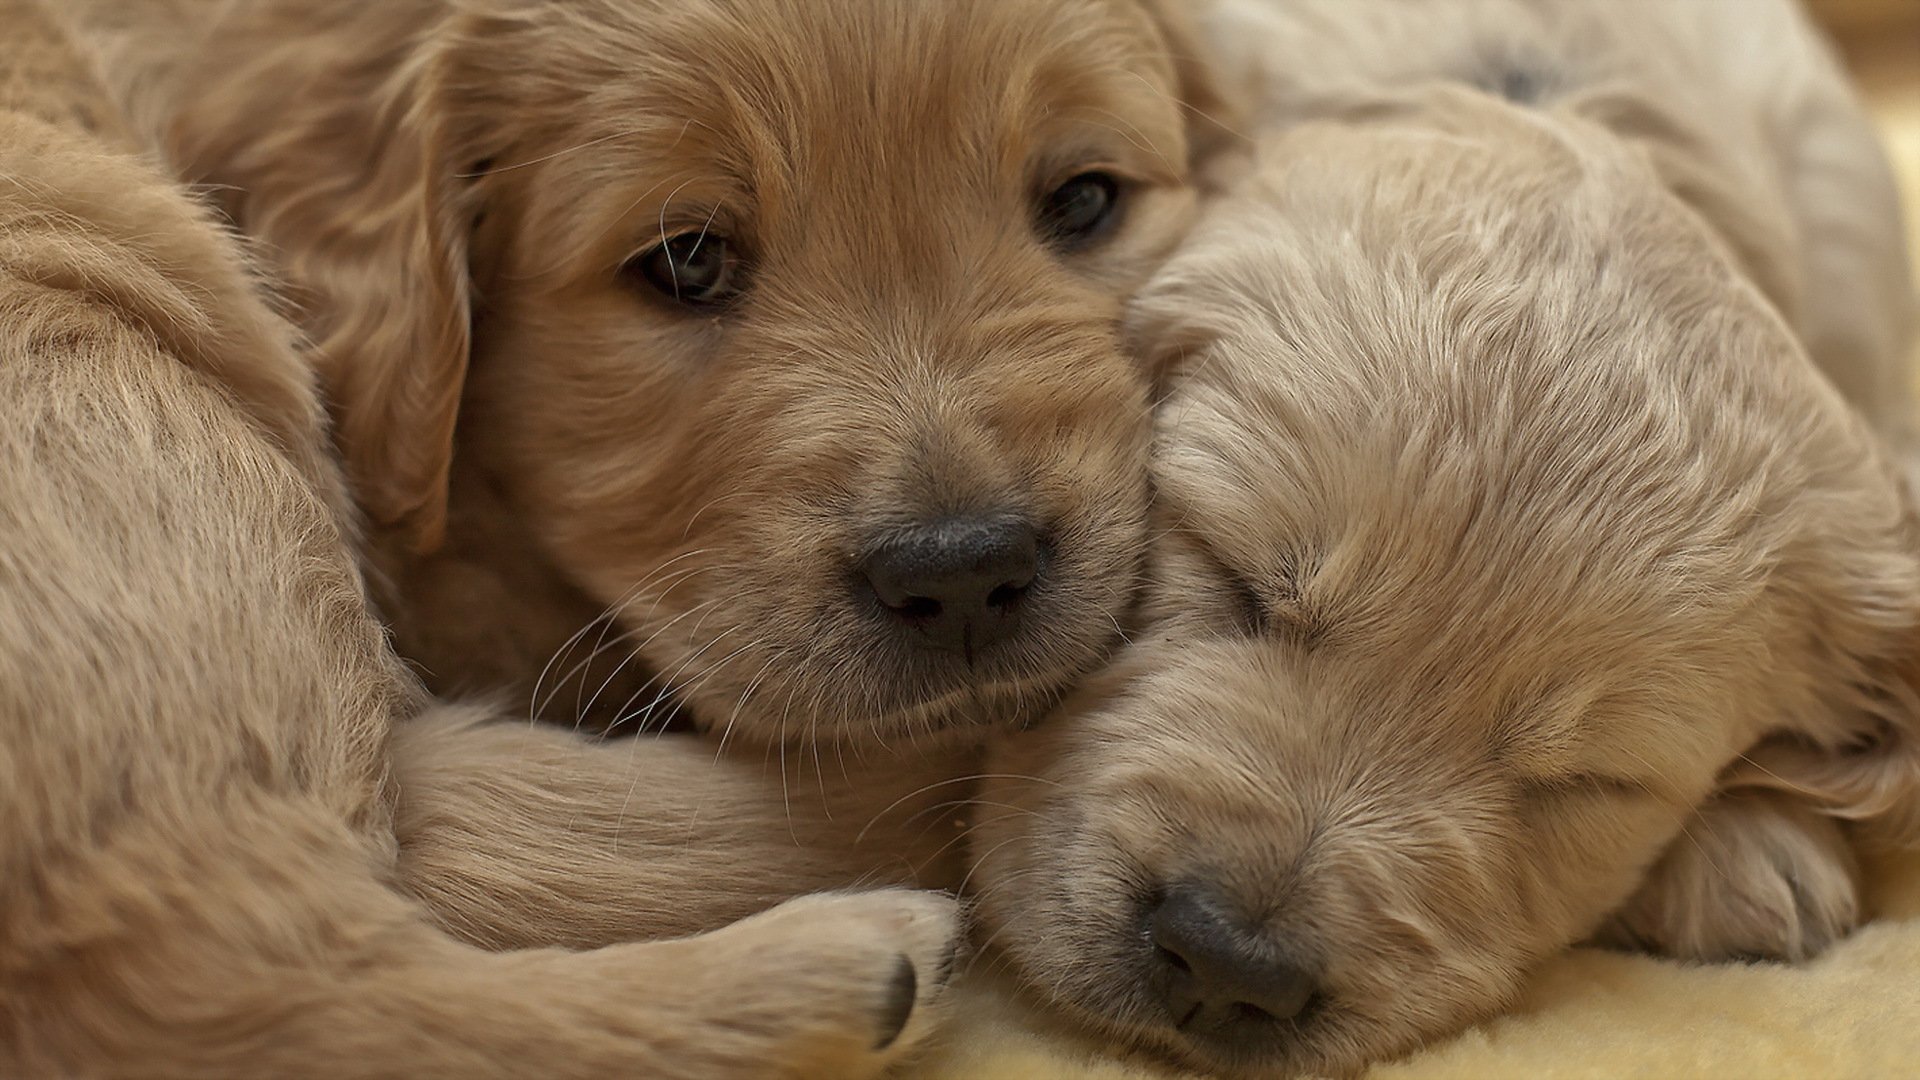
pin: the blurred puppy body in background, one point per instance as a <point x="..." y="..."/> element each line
<point x="781" y="330"/>
<point x="1521" y="576"/>
<point x="1744" y="109"/>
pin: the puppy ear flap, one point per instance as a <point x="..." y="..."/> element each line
<point x="1873" y="778"/>
<point x="1756" y="237"/>
<point x="1214" y="114"/>
<point x="353" y="175"/>
<point x="1866" y="769"/>
<point x="387" y="262"/>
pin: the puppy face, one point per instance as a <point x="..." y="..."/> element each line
<point x="799" y="344"/>
<point x="1496" y="515"/>
<point x="785" y="327"/>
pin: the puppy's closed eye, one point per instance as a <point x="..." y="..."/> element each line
<point x="1237" y="599"/>
<point x="1250" y="609"/>
<point x="1568" y="784"/>
<point x="1266" y="605"/>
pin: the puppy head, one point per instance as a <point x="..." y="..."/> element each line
<point x="792" y="333"/>
<point x="1498" y="515"/>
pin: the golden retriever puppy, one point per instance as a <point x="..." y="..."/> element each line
<point x="201" y="792"/>
<point x="1743" y="107"/>
<point x="1503" y="519"/>
<point x="239" y="840"/>
<point x="1748" y="118"/>
<point x="767" y="344"/>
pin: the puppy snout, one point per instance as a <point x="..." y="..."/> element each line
<point x="1221" y="982"/>
<point x="957" y="585"/>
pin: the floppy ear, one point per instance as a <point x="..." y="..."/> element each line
<point x="1871" y="776"/>
<point x="394" y="333"/>
<point x="1755" y="232"/>
<point x="337" y="149"/>
<point x="1861" y="760"/>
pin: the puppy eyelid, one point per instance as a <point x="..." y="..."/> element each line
<point x="1250" y="606"/>
<point x="1068" y="221"/>
<point x="669" y="269"/>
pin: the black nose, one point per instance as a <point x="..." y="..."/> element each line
<point x="1222" y="983"/>
<point x="956" y="584"/>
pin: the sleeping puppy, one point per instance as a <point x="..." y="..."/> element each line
<point x="1747" y="118"/>
<point x="766" y="344"/>
<point x="1504" y="523"/>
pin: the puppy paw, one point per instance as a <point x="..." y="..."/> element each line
<point x="848" y="984"/>
<point x="1755" y="876"/>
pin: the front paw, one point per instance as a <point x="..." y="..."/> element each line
<point x="848" y="983"/>
<point x="1756" y="875"/>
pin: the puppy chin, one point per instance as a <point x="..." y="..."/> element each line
<point x="970" y="714"/>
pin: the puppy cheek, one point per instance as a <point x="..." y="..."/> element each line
<point x="1019" y="803"/>
<point x="1388" y="999"/>
<point x="1028" y="829"/>
<point x="1158" y="217"/>
<point x="1582" y="854"/>
<point x="1438" y="945"/>
<point x="1079" y="437"/>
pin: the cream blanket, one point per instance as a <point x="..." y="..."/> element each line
<point x="1853" y="1013"/>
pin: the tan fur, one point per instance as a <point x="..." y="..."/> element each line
<point x="240" y="839"/>
<point x="1564" y="552"/>
<point x="1743" y="108"/>
<point x="451" y="188"/>
<point x="200" y="850"/>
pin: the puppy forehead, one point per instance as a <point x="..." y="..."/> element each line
<point x="775" y="97"/>
<point x="1359" y="391"/>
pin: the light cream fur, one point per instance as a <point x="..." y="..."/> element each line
<point x="240" y="838"/>
<point x="1748" y="118"/>
<point x="1521" y="563"/>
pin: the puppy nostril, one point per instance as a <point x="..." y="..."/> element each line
<point x="1006" y="595"/>
<point x="1248" y="1012"/>
<point x="903" y="990"/>
<point x="918" y="607"/>
<point x="1175" y="961"/>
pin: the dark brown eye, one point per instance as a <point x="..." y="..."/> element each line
<point x="695" y="269"/>
<point x="1079" y="211"/>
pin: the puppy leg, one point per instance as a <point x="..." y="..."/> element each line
<point x="1756" y="875"/>
<point x="253" y="937"/>
<point x="520" y="836"/>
